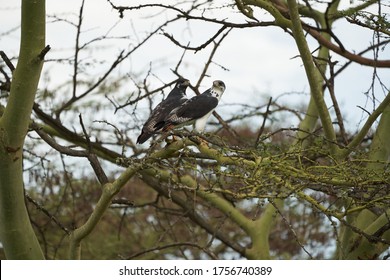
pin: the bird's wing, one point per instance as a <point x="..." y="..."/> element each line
<point x="192" y="109"/>
<point x="162" y="110"/>
<point x="157" y="116"/>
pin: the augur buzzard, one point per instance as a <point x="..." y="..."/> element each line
<point x="174" y="99"/>
<point x="195" y="110"/>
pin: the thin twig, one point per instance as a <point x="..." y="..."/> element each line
<point x="47" y="213"/>
<point x="261" y="130"/>
<point x="7" y="61"/>
<point x="179" y="244"/>
<point x="93" y="160"/>
<point x="288" y="224"/>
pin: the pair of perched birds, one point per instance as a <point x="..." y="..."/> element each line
<point x="177" y="110"/>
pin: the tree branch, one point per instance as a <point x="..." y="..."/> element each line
<point x="109" y="191"/>
<point x="366" y="127"/>
<point x="344" y="53"/>
<point x="149" y="175"/>
<point x="312" y="73"/>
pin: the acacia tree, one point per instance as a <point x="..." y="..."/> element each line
<point x="17" y="234"/>
<point x="233" y="193"/>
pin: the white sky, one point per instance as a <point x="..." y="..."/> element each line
<point x="259" y="59"/>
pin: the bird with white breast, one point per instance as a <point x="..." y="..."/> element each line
<point x="196" y="110"/>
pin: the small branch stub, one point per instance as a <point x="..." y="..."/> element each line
<point x="43" y="53"/>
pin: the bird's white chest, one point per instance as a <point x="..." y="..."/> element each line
<point x="200" y="124"/>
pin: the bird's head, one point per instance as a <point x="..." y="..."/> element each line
<point x="182" y="83"/>
<point x="180" y="89"/>
<point x="218" y="88"/>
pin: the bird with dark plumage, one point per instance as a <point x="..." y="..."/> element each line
<point x="195" y="110"/>
<point x="174" y="99"/>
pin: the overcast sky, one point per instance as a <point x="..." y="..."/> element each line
<point x="260" y="61"/>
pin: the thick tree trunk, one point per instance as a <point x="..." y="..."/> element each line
<point x="16" y="232"/>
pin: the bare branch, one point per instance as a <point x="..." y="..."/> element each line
<point x="179" y="244"/>
<point x="265" y="116"/>
<point x="7" y="61"/>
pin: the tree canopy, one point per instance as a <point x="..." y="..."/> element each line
<point x="267" y="180"/>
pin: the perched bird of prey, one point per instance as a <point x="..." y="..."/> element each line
<point x="196" y="110"/>
<point x="174" y="99"/>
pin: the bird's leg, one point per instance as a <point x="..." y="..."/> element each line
<point x="180" y="134"/>
<point x="166" y="132"/>
<point x="202" y="140"/>
<point x="198" y="139"/>
<point x="174" y="137"/>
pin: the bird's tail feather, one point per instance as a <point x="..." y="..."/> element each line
<point x="143" y="137"/>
